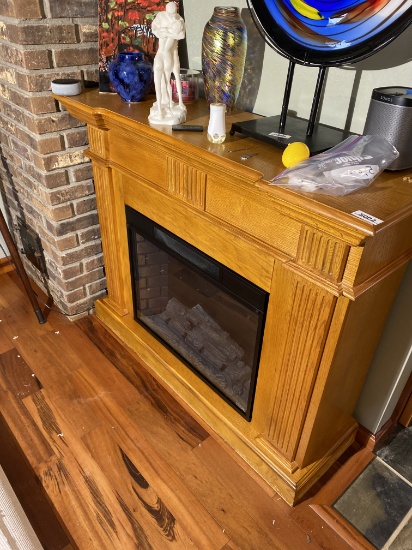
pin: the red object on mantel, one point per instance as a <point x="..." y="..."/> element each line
<point x="125" y="26"/>
<point x="190" y="86"/>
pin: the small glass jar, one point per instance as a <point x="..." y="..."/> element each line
<point x="216" y="130"/>
<point x="189" y="79"/>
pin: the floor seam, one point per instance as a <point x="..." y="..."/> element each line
<point x="394" y="471"/>
<point x="395" y="534"/>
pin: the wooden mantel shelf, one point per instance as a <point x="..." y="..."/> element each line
<point x="331" y="276"/>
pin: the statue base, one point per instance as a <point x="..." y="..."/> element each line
<point x="175" y="114"/>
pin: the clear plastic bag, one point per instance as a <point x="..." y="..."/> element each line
<point x="348" y="166"/>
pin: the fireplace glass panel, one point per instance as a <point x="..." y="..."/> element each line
<point x="209" y="316"/>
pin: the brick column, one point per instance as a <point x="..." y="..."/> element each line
<point x="45" y="179"/>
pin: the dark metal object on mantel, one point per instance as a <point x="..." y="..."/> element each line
<point x="268" y="129"/>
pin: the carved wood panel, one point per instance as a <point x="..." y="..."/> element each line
<point x="297" y="326"/>
<point x="97" y="140"/>
<point x="321" y="253"/>
<point x="186" y="182"/>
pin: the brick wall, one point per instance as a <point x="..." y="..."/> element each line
<point x="152" y="277"/>
<point x="45" y="179"/>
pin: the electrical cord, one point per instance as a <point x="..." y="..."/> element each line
<point x="37" y="296"/>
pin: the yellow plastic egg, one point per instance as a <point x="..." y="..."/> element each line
<point x="295" y="152"/>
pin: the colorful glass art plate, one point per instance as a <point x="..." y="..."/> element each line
<point x="312" y="32"/>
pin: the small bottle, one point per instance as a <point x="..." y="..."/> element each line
<point x="216" y="131"/>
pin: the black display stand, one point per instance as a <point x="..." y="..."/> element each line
<point x="268" y="129"/>
<point x="283" y="129"/>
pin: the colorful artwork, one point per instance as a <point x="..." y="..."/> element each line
<point x="322" y="32"/>
<point x="125" y="26"/>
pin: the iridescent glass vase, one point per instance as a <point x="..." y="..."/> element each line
<point x="223" y="56"/>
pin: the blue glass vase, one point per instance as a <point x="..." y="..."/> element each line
<point x="131" y="76"/>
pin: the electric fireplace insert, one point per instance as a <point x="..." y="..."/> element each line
<point x="206" y="314"/>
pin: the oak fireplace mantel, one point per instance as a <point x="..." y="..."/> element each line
<point x="331" y="277"/>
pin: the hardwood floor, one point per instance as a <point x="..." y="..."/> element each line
<point x="92" y="440"/>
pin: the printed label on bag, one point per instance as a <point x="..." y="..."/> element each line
<point x="359" y="171"/>
<point x="367" y="217"/>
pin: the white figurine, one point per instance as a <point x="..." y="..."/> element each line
<point x="169" y="27"/>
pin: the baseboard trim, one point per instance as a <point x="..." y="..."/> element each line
<point x="322" y="503"/>
<point x="369" y="440"/>
<point x="342" y="527"/>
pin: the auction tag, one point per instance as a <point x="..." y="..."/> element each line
<point x="367" y="217"/>
<point x="276" y="134"/>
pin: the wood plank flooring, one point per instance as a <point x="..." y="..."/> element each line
<point x="114" y="462"/>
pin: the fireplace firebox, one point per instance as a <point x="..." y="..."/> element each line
<point x="208" y="315"/>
